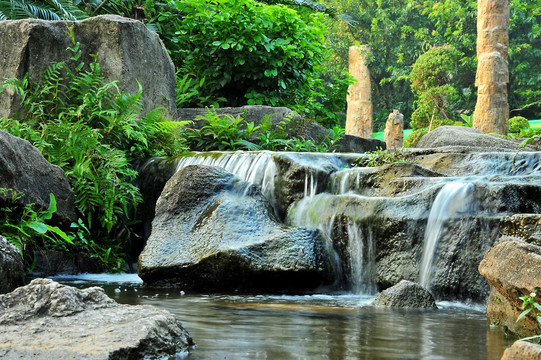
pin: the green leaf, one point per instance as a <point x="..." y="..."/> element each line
<point x="38" y="227"/>
<point x="524" y="313"/>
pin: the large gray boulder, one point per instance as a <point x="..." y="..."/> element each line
<point x="405" y="294"/>
<point x="47" y="320"/>
<point x="11" y="266"/>
<point x="24" y="169"/>
<point x="213" y="231"/>
<point x="127" y="52"/>
<point x="464" y="136"/>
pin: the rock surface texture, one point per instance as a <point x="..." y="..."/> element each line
<point x="46" y="320"/>
<point x="464" y="136"/>
<point x="11" y="266"/>
<point x="522" y="350"/>
<point x="359" y="112"/>
<point x="394" y="130"/>
<point x="513" y="268"/>
<point x="127" y="52"/>
<point x="24" y="170"/>
<point x="213" y="231"/>
<point x="405" y="294"/>
<point x="492" y="109"/>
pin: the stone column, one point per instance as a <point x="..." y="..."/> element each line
<point x="359" y="114"/>
<point x="492" y="108"/>
<point x="394" y="130"/>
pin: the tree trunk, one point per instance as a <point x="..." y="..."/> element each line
<point x="359" y="114"/>
<point x="492" y="108"/>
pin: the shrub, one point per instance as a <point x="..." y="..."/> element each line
<point x="518" y="123"/>
<point x="242" y="50"/>
<point x="430" y="78"/>
<point x="413" y="138"/>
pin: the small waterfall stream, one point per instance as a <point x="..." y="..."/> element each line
<point x="453" y="198"/>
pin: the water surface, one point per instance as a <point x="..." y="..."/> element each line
<point x="318" y="326"/>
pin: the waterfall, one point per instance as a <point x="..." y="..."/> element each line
<point x="362" y="257"/>
<point x="451" y="199"/>
<point x="255" y="167"/>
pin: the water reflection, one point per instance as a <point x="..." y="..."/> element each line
<point x="333" y="327"/>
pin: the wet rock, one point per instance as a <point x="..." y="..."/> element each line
<point x="513" y="267"/>
<point x="357" y="144"/>
<point x="127" y="52"/>
<point x="405" y="294"/>
<point x="464" y="136"/>
<point x="300" y="175"/>
<point x="214" y="232"/>
<point x="527" y="227"/>
<point x="24" y="170"/>
<point x="53" y="262"/>
<point x="522" y="350"/>
<point x="47" y="320"/>
<point x="11" y="266"/>
<point x="295" y="124"/>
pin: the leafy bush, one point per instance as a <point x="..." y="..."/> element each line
<point x="242" y="50"/>
<point x="518" y="123"/>
<point x="93" y="132"/>
<point x="413" y="138"/>
<point x="430" y="80"/>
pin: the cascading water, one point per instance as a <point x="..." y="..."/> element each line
<point x="254" y="167"/>
<point x="453" y="198"/>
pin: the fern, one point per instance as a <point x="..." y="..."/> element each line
<point x="40" y="9"/>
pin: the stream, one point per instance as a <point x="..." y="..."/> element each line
<point x="316" y="326"/>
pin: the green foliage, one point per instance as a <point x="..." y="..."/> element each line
<point x="528" y="305"/>
<point x="413" y="138"/>
<point x="518" y="123"/>
<point x="467" y="119"/>
<point x="434" y="68"/>
<point x="398" y="32"/>
<point x="93" y="132"/>
<point x="382" y="157"/>
<point x="430" y="78"/>
<point x="224" y="132"/>
<point x="40" y="9"/>
<point x="242" y="50"/>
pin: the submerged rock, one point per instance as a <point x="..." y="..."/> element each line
<point x="405" y="294"/>
<point x="11" y="266"/>
<point x="47" y="320"/>
<point x="23" y="169"/>
<point x="213" y="231"/>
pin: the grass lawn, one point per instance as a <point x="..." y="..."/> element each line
<point x="535" y="124"/>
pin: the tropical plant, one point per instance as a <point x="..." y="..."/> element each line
<point x="528" y="305"/>
<point x="381" y="157"/>
<point x="40" y="9"/>
<point x="94" y="133"/>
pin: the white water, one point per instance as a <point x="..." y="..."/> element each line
<point x="362" y="256"/>
<point x="255" y="167"/>
<point x="451" y="199"/>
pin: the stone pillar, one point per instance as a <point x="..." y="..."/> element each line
<point x="394" y="130"/>
<point x="492" y="108"/>
<point x="359" y="114"/>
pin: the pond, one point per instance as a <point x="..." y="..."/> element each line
<point x="316" y="326"/>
